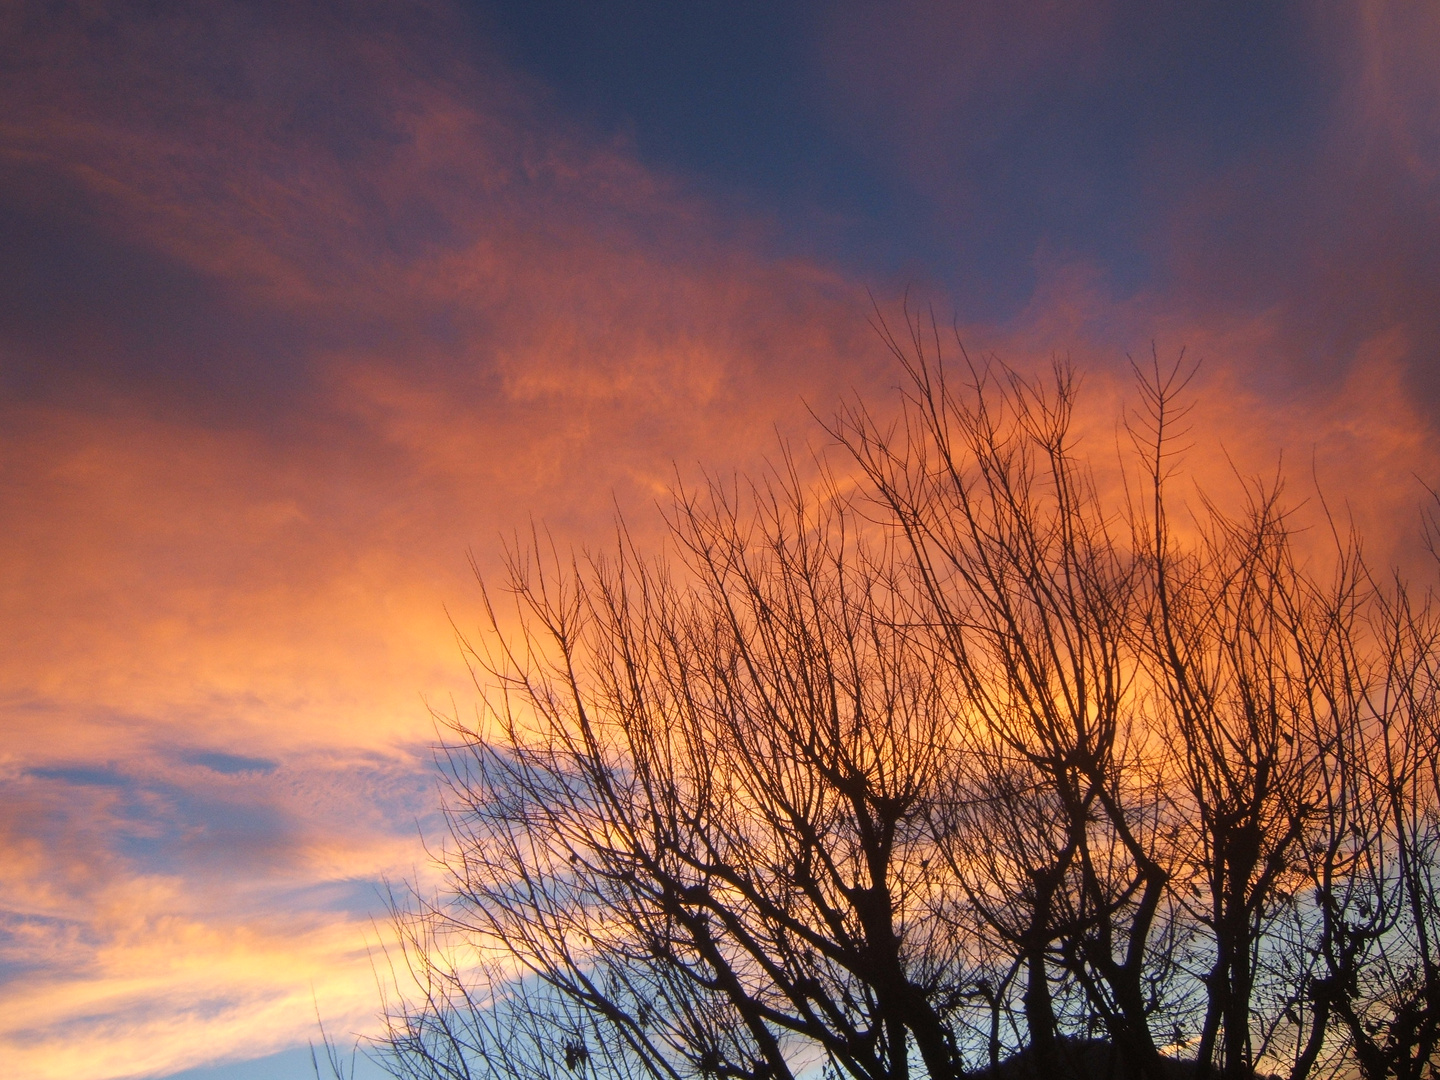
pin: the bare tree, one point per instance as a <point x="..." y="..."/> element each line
<point x="1300" y="699"/>
<point x="1372" y="865"/>
<point x="1034" y="598"/>
<point x="692" y="808"/>
<point x="947" y="763"/>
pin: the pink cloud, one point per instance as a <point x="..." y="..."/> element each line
<point x="512" y="319"/>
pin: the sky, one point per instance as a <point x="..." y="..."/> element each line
<point x="304" y="305"/>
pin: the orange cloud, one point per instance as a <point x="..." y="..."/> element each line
<point x="380" y="305"/>
<point x="230" y="589"/>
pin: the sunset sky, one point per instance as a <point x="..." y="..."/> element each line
<point x="302" y="303"/>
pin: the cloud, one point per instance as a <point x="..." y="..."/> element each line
<point x="309" y="300"/>
<point x="1279" y="167"/>
<point x="158" y="914"/>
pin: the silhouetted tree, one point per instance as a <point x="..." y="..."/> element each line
<point x="942" y="761"/>
<point x="692" y="810"/>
